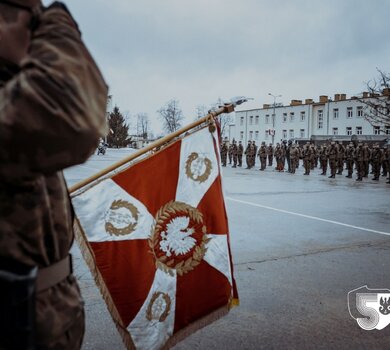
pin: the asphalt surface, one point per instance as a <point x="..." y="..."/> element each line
<point x="299" y="245"/>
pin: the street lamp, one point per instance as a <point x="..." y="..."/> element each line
<point x="273" y="116"/>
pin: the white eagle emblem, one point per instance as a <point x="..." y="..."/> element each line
<point x="177" y="238"/>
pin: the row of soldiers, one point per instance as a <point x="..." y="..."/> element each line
<point x="333" y="154"/>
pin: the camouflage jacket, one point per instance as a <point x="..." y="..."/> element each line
<point x="52" y="113"/>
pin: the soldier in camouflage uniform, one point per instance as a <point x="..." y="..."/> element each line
<point x="234" y="153"/>
<point x="254" y="153"/>
<point x="324" y="159"/>
<point x="240" y="152"/>
<point x="332" y="158"/>
<point x="52" y="114"/>
<point x="230" y="153"/>
<point x="262" y="156"/>
<point x="377" y="157"/>
<point x="294" y="158"/>
<point x="359" y="160"/>
<point x="349" y="154"/>
<point x="387" y="161"/>
<point x="270" y="154"/>
<point x="340" y="158"/>
<point x="307" y="154"/>
<point x="366" y="159"/>
<point x="224" y="152"/>
<point x="279" y="154"/>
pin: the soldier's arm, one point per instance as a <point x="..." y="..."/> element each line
<point x="52" y="113"/>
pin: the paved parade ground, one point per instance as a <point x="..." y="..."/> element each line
<point x="299" y="245"/>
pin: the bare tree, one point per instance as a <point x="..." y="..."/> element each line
<point x="377" y="101"/>
<point x="171" y="116"/>
<point x="201" y="111"/>
<point x="143" y="125"/>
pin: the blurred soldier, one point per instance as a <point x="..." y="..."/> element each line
<point x="387" y="161"/>
<point x="366" y="159"/>
<point x="288" y="148"/>
<point x="270" y="154"/>
<point x="307" y="156"/>
<point x="254" y="153"/>
<point x="224" y="152"/>
<point x="313" y="156"/>
<point x="359" y="161"/>
<point x="317" y="156"/>
<point x="278" y="157"/>
<point x="52" y="114"/>
<point x="240" y="151"/>
<point x="324" y="159"/>
<point x="283" y="146"/>
<point x="294" y="158"/>
<point x="248" y="153"/>
<point x="384" y="164"/>
<point x="263" y="156"/>
<point x="340" y="158"/>
<point x="332" y="158"/>
<point x="230" y="153"/>
<point x="349" y="155"/>
<point x="234" y="153"/>
<point x="377" y="157"/>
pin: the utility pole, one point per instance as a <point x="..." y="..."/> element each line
<point x="273" y="116"/>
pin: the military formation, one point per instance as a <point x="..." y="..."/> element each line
<point x="332" y="158"/>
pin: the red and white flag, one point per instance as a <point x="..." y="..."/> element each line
<point x="156" y="238"/>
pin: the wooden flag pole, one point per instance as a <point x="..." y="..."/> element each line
<point x="225" y="109"/>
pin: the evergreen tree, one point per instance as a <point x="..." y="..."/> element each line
<point x="119" y="130"/>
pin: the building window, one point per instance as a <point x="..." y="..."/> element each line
<point x="349" y="112"/>
<point x="303" y="116"/>
<point x="242" y="121"/>
<point x="335" y="113"/>
<point x="320" y="124"/>
<point x="251" y="120"/>
<point x="335" y="131"/>
<point x="348" y="131"/>
<point x="285" y="134"/>
<point x="377" y="130"/>
<point x="284" y="117"/>
<point x="257" y="120"/>
<point x="256" y="135"/>
<point x="291" y="133"/>
<point x="359" y="130"/>
<point x="266" y="134"/>
<point x="241" y="135"/>
<point x="387" y="130"/>
<point x="359" y="111"/>
<point x="291" y="116"/>
<point x="267" y="118"/>
<point x="302" y="132"/>
<point x="251" y="135"/>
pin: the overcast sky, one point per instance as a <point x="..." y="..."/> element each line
<point x="196" y="51"/>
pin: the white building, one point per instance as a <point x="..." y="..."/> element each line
<point x="273" y="123"/>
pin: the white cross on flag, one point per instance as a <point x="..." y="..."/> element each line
<point x="155" y="235"/>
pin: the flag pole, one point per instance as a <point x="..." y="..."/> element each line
<point x="228" y="108"/>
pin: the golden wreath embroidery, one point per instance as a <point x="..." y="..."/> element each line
<point x="199" y="163"/>
<point x="158" y="307"/>
<point x="116" y="218"/>
<point x="178" y="239"/>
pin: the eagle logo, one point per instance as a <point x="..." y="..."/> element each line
<point x="178" y="239"/>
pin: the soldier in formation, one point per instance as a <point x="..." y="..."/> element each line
<point x="262" y="153"/>
<point x="294" y="158"/>
<point x="270" y="154"/>
<point x="234" y="153"/>
<point x="224" y="152"/>
<point x="324" y="159"/>
<point x="333" y="158"/>
<point x="307" y="154"/>
<point x="230" y="153"/>
<point x="240" y="151"/>
<point x="349" y="155"/>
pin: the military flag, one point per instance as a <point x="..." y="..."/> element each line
<point x="155" y="235"/>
